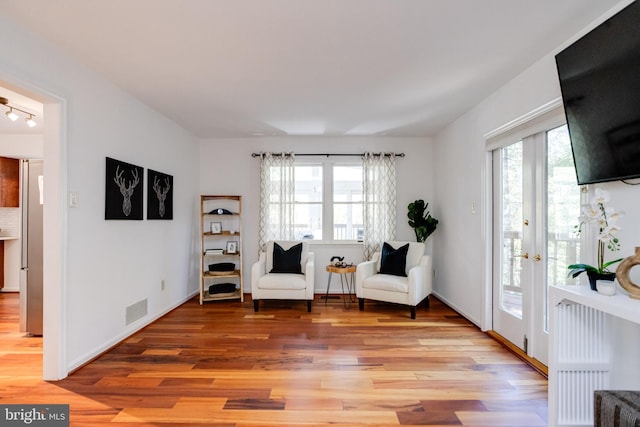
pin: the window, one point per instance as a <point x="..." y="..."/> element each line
<point x="328" y="201"/>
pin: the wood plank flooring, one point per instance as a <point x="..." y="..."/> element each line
<point x="223" y="365"/>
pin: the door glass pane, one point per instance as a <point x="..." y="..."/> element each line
<point x="512" y="229"/>
<point x="563" y="210"/>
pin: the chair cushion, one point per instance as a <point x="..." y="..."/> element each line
<point x="282" y="281"/>
<point x="286" y="244"/>
<point x="393" y="261"/>
<point x="287" y="260"/>
<point x="387" y="282"/>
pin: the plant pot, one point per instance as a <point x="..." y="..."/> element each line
<point x="594" y="277"/>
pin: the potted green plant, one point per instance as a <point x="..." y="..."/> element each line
<point x="421" y="220"/>
<point x="604" y="218"/>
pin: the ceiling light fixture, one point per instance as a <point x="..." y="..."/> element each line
<point x="30" y="122"/>
<point x="13" y="116"/>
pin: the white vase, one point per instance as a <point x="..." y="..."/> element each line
<point x="606" y="287"/>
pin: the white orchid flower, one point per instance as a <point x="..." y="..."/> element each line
<point x="608" y="234"/>
<point x="590" y="214"/>
<point x="601" y="197"/>
<point x="613" y="215"/>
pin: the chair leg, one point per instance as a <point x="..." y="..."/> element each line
<point x="256" y="305"/>
<point x="426" y="302"/>
<point x="361" y="304"/>
<point x="308" y="306"/>
<point x="413" y="311"/>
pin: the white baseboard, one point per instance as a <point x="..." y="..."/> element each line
<point x="458" y="310"/>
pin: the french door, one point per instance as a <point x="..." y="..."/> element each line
<point x="536" y="207"/>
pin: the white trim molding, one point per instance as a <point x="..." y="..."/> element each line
<point x="545" y="117"/>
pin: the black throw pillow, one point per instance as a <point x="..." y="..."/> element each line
<point x="394" y="261"/>
<point x="287" y="261"/>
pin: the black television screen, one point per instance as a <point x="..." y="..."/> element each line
<point x="600" y="82"/>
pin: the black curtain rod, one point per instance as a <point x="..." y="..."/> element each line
<point x="327" y="154"/>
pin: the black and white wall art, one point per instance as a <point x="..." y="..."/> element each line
<point x="124" y="188"/>
<point x="159" y="195"/>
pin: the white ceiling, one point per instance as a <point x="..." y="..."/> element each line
<point x="228" y="68"/>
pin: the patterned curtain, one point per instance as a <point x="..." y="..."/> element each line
<point x="379" y="188"/>
<point x="276" y="197"/>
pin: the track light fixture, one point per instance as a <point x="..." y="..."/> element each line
<point x="30" y="122"/>
<point x="13" y="116"/>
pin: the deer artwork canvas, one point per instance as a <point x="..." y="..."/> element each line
<point x="159" y="195"/>
<point x="124" y="188"/>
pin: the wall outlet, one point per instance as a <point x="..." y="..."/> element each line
<point x="162" y="285"/>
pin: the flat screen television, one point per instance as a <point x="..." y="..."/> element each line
<point x="600" y="82"/>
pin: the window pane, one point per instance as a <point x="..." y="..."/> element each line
<point x="308" y="183"/>
<point x="512" y="232"/>
<point x="347" y="202"/>
<point x="308" y="221"/>
<point x="308" y="202"/>
<point x="563" y="209"/>
<point x="347" y="221"/>
<point x="347" y="183"/>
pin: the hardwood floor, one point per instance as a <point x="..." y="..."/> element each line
<point x="221" y="364"/>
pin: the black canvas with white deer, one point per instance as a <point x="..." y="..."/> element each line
<point x="159" y="195"/>
<point x="124" y="188"/>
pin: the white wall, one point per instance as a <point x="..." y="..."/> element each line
<point x="110" y="264"/>
<point x="21" y="146"/>
<point x="226" y="167"/>
<point x="459" y="176"/>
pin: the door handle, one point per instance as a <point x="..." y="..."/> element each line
<point x="524" y="255"/>
<point x="537" y="257"/>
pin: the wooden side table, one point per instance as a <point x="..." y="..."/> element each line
<point x="344" y="273"/>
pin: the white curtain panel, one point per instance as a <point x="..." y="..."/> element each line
<point x="277" y="187"/>
<point x="379" y="187"/>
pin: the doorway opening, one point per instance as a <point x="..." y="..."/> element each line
<point x="52" y="130"/>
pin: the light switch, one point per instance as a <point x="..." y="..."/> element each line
<point x="73" y="199"/>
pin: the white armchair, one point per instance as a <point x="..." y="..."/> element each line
<point x="283" y="275"/>
<point x="410" y="290"/>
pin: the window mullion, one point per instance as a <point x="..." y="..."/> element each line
<point x="327" y="202"/>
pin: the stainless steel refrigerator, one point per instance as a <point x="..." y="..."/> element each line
<point x="31" y="297"/>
